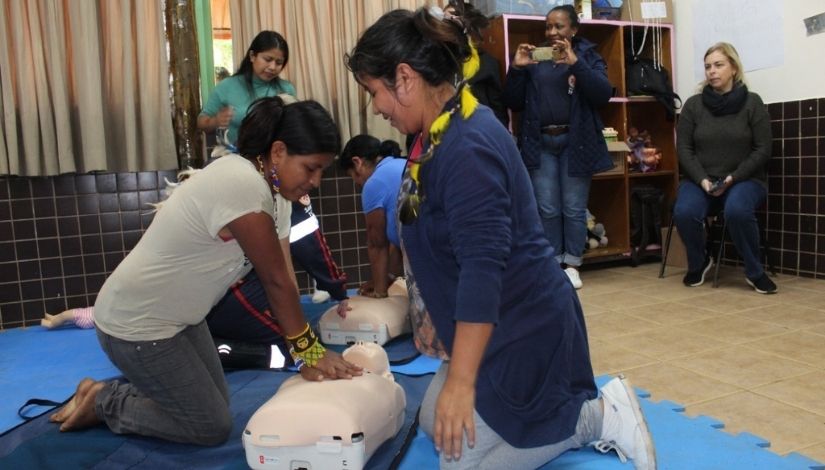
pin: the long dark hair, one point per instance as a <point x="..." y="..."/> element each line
<point x="264" y="41"/>
<point x="368" y="148"/>
<point x="434" y="48"/>
<point x="305" y="127"/>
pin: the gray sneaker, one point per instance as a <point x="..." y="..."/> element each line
<point x="624" y="428"/>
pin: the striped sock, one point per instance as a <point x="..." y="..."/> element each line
<point x="84" y="317"/>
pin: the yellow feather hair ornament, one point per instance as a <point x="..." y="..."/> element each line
<point x="472" y="64"/>
<point x="438" y="127"/>
<point x="468" y="102"/>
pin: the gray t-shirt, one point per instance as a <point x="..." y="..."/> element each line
<point x="181" y="267"/>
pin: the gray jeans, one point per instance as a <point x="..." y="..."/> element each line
<point x="491" y="451"/>
<point x="176" y="389"/>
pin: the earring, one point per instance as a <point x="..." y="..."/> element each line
<point x="273" y="175"/>
<point x="261" y="167"/>
<point x="273" y="178"/>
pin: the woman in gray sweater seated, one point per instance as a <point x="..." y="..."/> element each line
<point x="724" y="143"/>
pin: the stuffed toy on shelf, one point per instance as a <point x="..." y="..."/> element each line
<point x="596" y="233"/>
<point x="644" y="156"/>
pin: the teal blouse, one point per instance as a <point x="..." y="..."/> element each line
<point x="234" y="91"/>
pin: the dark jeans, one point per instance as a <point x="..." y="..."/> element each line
<point x="176" y="389"/>
<point x="739" y="202"/>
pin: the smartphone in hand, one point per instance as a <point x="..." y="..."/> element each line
<point x="717" y="185"/>
<point x="546" y="53"/>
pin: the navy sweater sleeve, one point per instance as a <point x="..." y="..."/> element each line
<point x="474" y="192"/>
<point x="515" y="88"/>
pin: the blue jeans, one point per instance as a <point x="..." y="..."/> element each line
<point x="562" y="201"/>
<point x="176" y="389"/>
<point x="739" y="202"/>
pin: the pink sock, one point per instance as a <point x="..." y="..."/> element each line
<point x="84" y="317"/>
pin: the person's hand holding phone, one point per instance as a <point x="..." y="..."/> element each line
<point x="717" y="187"/>
<point x="523" y="56"/>
<point x="564" y="53"/>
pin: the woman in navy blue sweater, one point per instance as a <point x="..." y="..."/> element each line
<point x="561" y="131"/>
<point x="517" y="388"/>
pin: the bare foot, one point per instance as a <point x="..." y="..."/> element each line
<point x="84" y="415"/>
<point x="48" y="322"/>
<point x="54" y="321"/>
<point x="69" y="408"/>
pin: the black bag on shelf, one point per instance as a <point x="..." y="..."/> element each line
<point x="645" y="218"/>
<point x="644" y="77"/>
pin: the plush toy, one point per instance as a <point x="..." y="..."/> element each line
<point x="596" y="233"/>
<point x="642" y="151"/>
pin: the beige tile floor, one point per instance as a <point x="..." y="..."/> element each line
<point x="755" y="362"/>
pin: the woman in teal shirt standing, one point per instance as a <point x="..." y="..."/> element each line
<point x="256" y="77"/>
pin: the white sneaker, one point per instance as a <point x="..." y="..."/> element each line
<point x="320" y="296"/>
<point x="573" y="275"/>
<point x="624" y="428"/>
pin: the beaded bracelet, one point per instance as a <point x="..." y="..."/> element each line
<point x="306" y="347"/>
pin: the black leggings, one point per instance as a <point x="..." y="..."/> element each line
<point x="243" y="320"/>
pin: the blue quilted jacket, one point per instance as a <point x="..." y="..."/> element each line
<point x="586" y="149"/>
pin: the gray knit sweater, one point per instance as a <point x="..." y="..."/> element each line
<point x="716" y="146"/>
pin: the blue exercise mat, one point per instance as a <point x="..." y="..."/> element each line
<point x="682" y="443"/>
<point x="39" y="363"/>
<point x="48" y="364"/>
<point x="36" y="362"/>
<point x="39" y="444"/>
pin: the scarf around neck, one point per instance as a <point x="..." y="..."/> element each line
<point x="727" y="103"/>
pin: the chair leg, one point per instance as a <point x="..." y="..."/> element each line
<point x="766" y="248"/>
<point x="666" y="249"/>
<point x="721" y="251"/>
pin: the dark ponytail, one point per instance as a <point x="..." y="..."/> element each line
<point x="367" y="148"/>
<point x="389" y="148"/>
<point x="305" y="127"/>
<point x="434" y="48"/>
<point x="473" y="19"/>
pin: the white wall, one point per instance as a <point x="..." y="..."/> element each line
<point x="801" y="76"/>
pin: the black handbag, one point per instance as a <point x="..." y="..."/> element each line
<point x="643" y="77"/>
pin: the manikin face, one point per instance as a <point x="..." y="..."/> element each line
<point x="388" y="103"/>
<point x="299" y="174"/>
<point x="557" y="27"/>
<point x="267" y="65"/>
<point x="719" y="72"/>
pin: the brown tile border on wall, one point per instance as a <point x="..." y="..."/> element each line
<point x="61" y="236"/>
<point x="795" y="210"/>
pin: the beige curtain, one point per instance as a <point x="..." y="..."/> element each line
<point x="84" y="86"/>
<point x="319" y="33"/>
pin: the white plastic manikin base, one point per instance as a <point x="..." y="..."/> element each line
<point x="334" y="424"/>
<point x="370" y="320"/>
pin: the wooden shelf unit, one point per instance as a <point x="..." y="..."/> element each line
<point x="610" y="191"/>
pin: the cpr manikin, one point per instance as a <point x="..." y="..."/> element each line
<point x="369" y="320"/>
<point x="328" y="424"/>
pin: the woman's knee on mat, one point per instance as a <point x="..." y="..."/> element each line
<point x="213" y="432"/>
